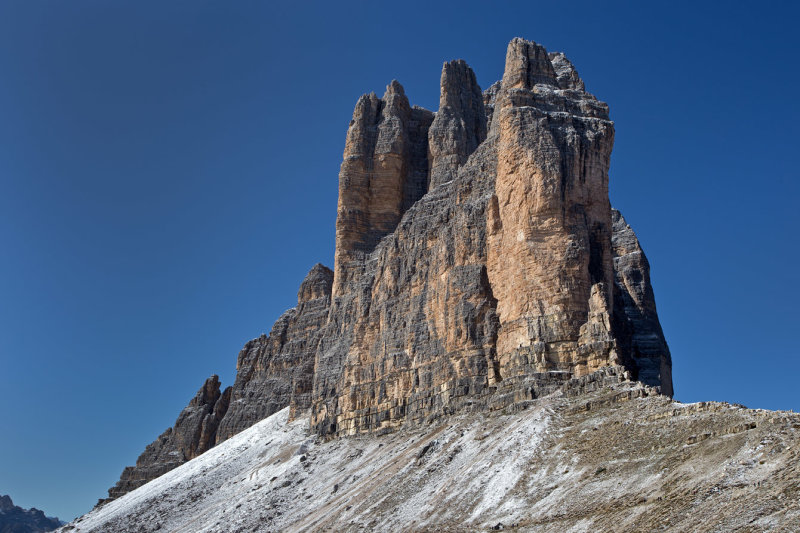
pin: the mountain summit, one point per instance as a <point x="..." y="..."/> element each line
<point x="478" y="266"/>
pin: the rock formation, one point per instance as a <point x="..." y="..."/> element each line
<point x="549" y="243"/>
<point x="643" y="338"/>
<point x="478" y="264"/>
<point x="384" y="172"/>
<point x="277" y="370"/>
<point x="460" y="124"/>
<point x="272" y="372"/>
<point x="15" y="519"/>
<point x="194" y="432"/>
<point x="501" y="277"/>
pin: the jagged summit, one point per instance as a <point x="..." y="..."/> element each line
<point x="566" y="75"/>
<point x="527" y="65"/>
<point x="317" y="284"/>
<point x="478" y="266"/>
<point x="460" y="123"/>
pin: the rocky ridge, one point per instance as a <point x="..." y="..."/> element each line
<point x="478" y="266"/>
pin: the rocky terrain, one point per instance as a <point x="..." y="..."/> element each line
<point x="15" y="519"/>
<point x="478" y="265"/>
<point x="600" y="454"/>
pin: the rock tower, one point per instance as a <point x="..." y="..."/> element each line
<point x="478" y="264"/>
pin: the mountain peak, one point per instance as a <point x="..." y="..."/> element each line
<point x="477" y="266"/>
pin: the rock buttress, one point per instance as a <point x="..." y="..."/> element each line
<point x="277" y="370"/>
<point x="644" y="343"/>
<point x="272" y="372"/>
<point x="549" y="259"/>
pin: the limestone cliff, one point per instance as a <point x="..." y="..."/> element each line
<point x="636" y="305"/>
<point x="478" y="264"/>
<point x="549" y="244"/>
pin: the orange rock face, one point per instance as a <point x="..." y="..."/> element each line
<point x="383" y="173"/>
<point x="549" y="259"/>
<point x="499" y="281"/>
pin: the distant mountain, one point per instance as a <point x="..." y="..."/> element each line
<point x="15" y="519"/>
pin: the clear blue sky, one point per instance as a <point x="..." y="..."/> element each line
<point x="168" y="174"/>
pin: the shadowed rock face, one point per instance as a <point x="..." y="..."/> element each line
<point x="636" y="304"/>
<point x="460" y="123"/>
<point x="277" y="370"/>
<point x="478" y="264"/>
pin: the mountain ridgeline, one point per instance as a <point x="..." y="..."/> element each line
<point x="478" y="265"/>
<point x="15" y="519"/>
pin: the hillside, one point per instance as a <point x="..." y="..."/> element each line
<point x="619" y="458"/>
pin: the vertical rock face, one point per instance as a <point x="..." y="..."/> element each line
<point x="636" y="304"/>
<point x="489" y="100"/>
<point x="478" y="264"/>
<point x="460" y="123"/>
<point x="193" y="433"/>
<point x="412" y="330"/>
<point x="505" y="269"/>
<point x="414" y="335"/>
<point x="527" y="65"/>
<point x="383" y="173"/>
<point x="549" y="259"/>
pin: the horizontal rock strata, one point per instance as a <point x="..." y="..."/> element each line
<point x="501" y="279"/>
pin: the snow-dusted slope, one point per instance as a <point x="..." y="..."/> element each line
<point x="593" y="463"/>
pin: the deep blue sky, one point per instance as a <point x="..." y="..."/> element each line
<point x="168" y="174"/>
